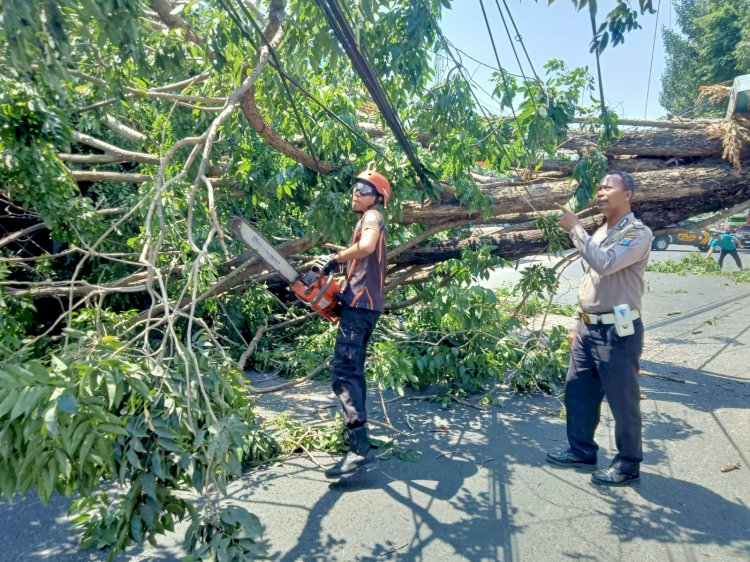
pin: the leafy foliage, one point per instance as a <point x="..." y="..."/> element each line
<point x="711" y="47"/>
<point x="460" y="334"/>
<point x="464" y="335"/>
<point x="621" y="19"/>
<point x="101" y="412"/>
<point x="127" y="396"/>
<point x="695" y="264"/>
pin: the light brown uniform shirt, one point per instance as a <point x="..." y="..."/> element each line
<point x="616" y="260"/>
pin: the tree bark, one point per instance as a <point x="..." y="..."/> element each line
<point x="662" y="198"/>
<point x="671" y="194"/>
<point x="630" y="165"/>
<point x="669" y="143"/>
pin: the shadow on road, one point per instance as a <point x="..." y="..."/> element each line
<point x="680" y="512"/>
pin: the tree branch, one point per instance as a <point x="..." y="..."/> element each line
<point x="123" y="130"/>
<point x="272" y="137"/>
<point x="21" y="233"/>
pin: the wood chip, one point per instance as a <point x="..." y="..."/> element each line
<point x="730" y="467"/>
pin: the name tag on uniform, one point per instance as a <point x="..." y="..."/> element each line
<point x="623" y="320"/>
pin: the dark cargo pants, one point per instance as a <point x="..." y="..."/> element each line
<point x="355" y="328"/>
<point x="605" y="364"/>
<point x="734" y="254"/>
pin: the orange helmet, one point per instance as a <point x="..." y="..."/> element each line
<point x="381" y="185"/>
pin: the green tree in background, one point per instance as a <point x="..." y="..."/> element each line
<point x="711" y="47"/>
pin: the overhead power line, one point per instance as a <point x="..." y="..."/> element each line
<point x="234" y="16"/>
<point x="651" y="66"/>
<point x="519" y="39"/>
<point x="361" y="65"/>
<point x="461" y="69"/>
<point x="476" y="60"/>
<point x="497" y="58"/>
<point x="515" y="53"/>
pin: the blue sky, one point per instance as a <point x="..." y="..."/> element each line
<point x="559" y="31"/>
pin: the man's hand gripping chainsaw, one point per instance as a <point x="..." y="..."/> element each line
<point x="314" y="288"/>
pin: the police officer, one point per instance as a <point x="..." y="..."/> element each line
<point x="603" y="363"/>
<point x="362" y="299"/>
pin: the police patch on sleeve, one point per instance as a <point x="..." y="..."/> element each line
<point x="629" y="237"/>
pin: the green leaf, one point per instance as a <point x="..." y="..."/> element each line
<point x="136" y="528"/>
<point x="112" y="428"/>
<point x="157" y="465"/>
<point x="83" y="454"/>
<point x="10" y="400"/>
<point x="133" y="458"/>
<point x="250" y="525"/>
<point x="149" y="484"/>
<point x="50" y="421"/>
<point x="67" y="403"/>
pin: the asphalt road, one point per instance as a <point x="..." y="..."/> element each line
<point x="481" y="489"/>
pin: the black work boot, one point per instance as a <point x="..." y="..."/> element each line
<point x="360" y="455"/>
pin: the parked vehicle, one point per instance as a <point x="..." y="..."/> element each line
<point x="743" y="236"/>
<point x="677" y="234"/>
<point x="733" y="223"/>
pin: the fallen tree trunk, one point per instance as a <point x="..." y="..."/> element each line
<point x="662" y="198"/>
<point x="671" y="194"/>
<point x="630" y="165"/>
<point x="669" y="143"/>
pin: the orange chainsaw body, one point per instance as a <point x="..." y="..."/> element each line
<point x="316" y="290"/>
<point x="319" y="293"/>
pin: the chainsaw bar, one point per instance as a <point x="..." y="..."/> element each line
<point x="255" y="241"/>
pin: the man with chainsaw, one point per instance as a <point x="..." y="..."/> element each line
<point x="362" y="303"/>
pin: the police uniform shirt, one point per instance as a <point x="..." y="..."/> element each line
<point x="616" y="260"/>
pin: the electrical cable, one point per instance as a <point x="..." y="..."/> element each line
<point x="476" y="60"/>
<point x="361" y="65"/>
<point x="460" y="68"/>
<point x="651" y="66"/>
<point x="233" y="15"/>
<point x="515" y="53"/>
<point x="526" y="151"/>
<point x="520" y="40"/>
<point x="497" y="58"/>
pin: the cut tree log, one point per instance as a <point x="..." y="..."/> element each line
<point x="630" y="165"/>
<point x="663" y="196"/>
<point x="654" y="143"/>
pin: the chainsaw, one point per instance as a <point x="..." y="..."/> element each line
<point x="313" y="288"/>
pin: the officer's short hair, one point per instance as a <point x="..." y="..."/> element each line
<point x="628" y="181"/>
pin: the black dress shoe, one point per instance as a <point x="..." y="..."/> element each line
<point x="568" y="458"/>
<point x="613" y="476"/>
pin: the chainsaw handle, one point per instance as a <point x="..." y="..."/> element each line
<point x="322" y="290"/>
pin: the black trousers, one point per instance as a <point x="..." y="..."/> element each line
<point x="605" y="364"/>
<point x="355" y="328"/>
<point x="732" y="253"/>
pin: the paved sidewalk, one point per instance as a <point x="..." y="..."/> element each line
<point x="481" y="489"/>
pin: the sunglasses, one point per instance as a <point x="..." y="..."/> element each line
<point x="364" y="189"/>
